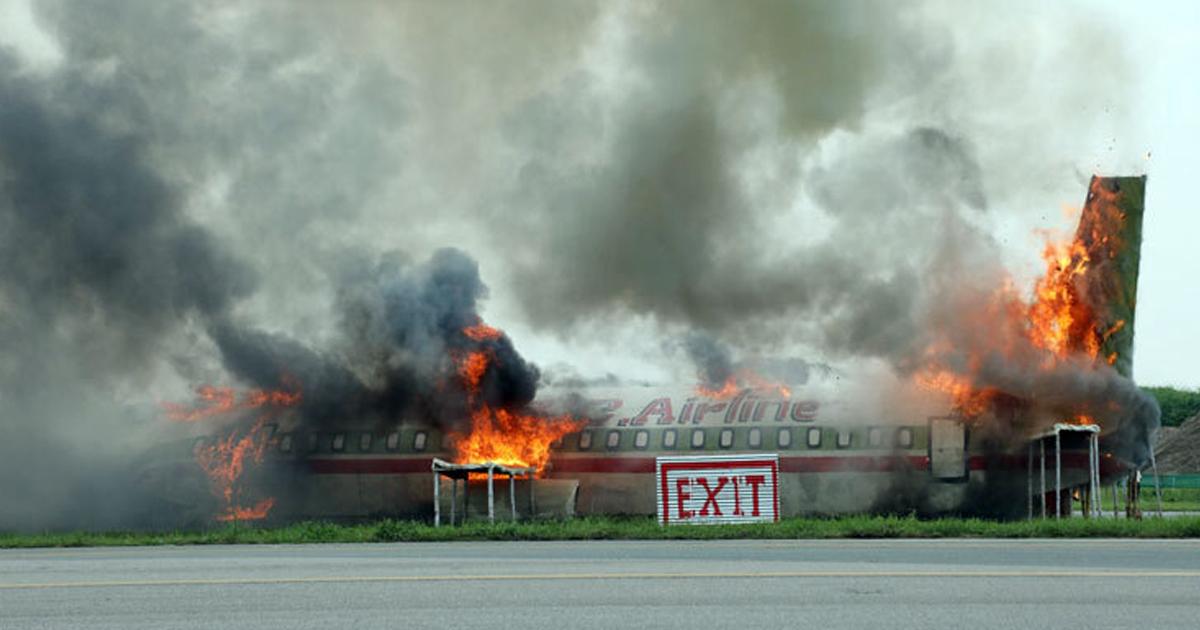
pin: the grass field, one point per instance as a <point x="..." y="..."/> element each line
<point x="1174" y="499"/>
<point x="626" y="529"/>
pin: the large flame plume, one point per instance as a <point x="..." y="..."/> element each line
<point x="237" y="448"/>
<point x="1060" y="326"/>
<point x="495" y="434"/>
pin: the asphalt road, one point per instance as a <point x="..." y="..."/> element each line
<point x="745" y="584"/>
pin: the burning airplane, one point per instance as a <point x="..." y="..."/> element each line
<point x="995" y="373"/>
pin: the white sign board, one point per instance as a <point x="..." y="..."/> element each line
<point x="718" y="489"/>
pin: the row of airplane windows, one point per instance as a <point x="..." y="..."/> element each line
<point x="337" y="442"/>
<point x="814" y="436"/>
<point x="612" y="440"/>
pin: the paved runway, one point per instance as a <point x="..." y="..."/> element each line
<point x="914" y="584"/>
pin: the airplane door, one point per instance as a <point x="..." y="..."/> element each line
<point x="947" y="449"/>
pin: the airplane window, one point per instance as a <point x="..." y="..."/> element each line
<point x="364" y="442"/>
<point x="339" y="442"/>
<point x="843" y="439"/>
<point x="585" y="440"/>
<point x="271" y="429"/>
<point x="313" y="442"/>
<point x="393" y="441"/>
<point x="697" y="438"/>
<point x="785" y="438"/>
<point x="641" y="439"/>
<point x="814" y="438"/>
<point x="669" y="438"/>
<point x="904" y="437"/>
<point x="726" y="438"/>
<point x="420" y="441"/>
<point x="875" y="436"/>
<point x="285" y="443"/>
<point x="613" y="440"/>
<point x="755" y="438"/>
<point x="446" y="442"/>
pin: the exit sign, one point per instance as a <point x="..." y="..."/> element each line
<point x="718" y="489"/>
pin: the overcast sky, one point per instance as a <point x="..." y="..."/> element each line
<point x="1164" y="46"/>
<point x="1037" y="99"/>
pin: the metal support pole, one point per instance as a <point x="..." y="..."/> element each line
<point x="1029" y="481"/>
<point x="1114" y="487"/>
<point x="1057" y="474"/>
<point x="1099" y="490"/>
<point x="512" y="495"/>
<point x="453" y="499"/>
<point x="466" y="504"/>
<point x="1157" y="488"/>
<point x="1091" y="475"/>
<point x="1042" y="449"/>
<point x="532" y="502"/>
<point x="491" y="496"/>
<point x="437" y="499"/>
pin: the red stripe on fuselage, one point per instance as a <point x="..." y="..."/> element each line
<point x="646" y="465"/>
<point x="374" y="466"/>
<point x="643" y="464"/>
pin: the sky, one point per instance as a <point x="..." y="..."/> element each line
<point x="1040" y="102"/>
<point x="1164" y="46"/>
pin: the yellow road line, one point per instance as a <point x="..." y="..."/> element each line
<point x="609" y="576"/>
<point x="948" y="543"/>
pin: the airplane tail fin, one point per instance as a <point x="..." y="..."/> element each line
<point x="1110" y="229"/>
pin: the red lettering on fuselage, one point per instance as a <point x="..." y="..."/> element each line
<point x="660" y="407"/>
<point x="703" y="409"/>
<point x="737" y="400"/>
<point x="744" y="407"/>
<point x="804" y="411"/>
<point x="780" y="410"/>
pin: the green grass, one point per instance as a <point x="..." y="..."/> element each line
<point x="626" y="529"/>
<point x="1174" y="499"/>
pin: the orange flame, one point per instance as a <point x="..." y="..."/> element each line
<point x="228" y="456"/>
<point x="256" y="512"/>
<point x="1057" y="325"/>
<point x="221" y="400"/>
<point x="745" y="379"/>
<point x="968" y="400"/>
<point x="472" y="368"/>
<point x="501" y="435"/>
<point x="510" y="438"/>
<point x="481" y="331"/>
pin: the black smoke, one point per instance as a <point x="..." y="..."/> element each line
<point x="401" y="342"/>
<point x="102" y="270"/>
<point x="714" y="365"/>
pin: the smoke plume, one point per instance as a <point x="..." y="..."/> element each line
<point x="216" y="191"/>
<point x="402" y="326"/>
<point x="102" y="268"/>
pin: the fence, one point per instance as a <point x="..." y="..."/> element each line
<point x="1170" y="481"/>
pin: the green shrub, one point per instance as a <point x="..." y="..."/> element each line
<point x="1177" y="404"/>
